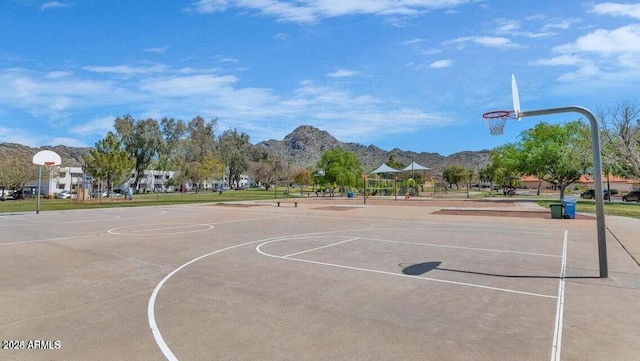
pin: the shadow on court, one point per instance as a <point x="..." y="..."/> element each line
<point x="420" y="269"/>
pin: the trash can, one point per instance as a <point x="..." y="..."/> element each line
<point x="556" y="211"/>
<point x="569" y="204"/>
<point x="350" y="195"/>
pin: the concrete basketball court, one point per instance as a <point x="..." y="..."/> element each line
<point x="326" y="280"/>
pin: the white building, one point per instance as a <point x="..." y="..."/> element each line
<point x="74" y="179"/>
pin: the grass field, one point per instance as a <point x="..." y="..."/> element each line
<point x="611" y="208"/>
<point x="139" y="200"/>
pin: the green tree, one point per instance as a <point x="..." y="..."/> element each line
<point x="142" y="139"/>
<point x="621" y="139"/>
<point x="108" y="161"/>
<point x="558" y="154"/>
<point x="198" y="160"/>
<point x="505" y="164"/>
<point x="16" y="171"/>
<point x="198" y="172"/>
<point x="234" y="151"/>
<point x="173" y="132"/>
<point x="262" y="166"/>
<point x="303" y="176"/>
<point x="341" y="168"/>
<point x="170" y="152"/>
<point x="454" y="174"/>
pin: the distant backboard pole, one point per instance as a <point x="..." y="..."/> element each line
<point x="46" y="158"/>
<point x="597" y="165"/>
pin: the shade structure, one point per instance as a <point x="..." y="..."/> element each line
<point x="415" y="166"/>
<point x="385" y="169"/>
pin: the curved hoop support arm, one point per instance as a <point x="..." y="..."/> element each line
<point x="597" y="175"/>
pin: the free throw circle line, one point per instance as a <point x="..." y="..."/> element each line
<point x="157" y="335"/>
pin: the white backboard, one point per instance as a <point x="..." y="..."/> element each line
<point x="47" y="157"/>
<point x="516" y="97"/>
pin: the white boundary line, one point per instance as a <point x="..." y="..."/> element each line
<point x="288" y="258"/>
<point x="317" y="248"/>
<point x="157" y="335"/>
<point x="557" y="334"/>
<point x="166" y="351"/>
<point x="139" y="232"/>
<point x="465" y="248"/>
<point x="47" y="240"/>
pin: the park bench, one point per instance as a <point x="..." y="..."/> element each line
<point x="295" y="203"/>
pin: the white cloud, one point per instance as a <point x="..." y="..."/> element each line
<point x="57" y="74"/>
<point x="127" y="69"/>
<point x="604" y="57"/>
<point x="209" y="6"/>
<point x="559" y="24"/>
<point x="562" y="60"/>
<point x="413" y="41"/>
<point x="440" y="64"/>
<point x="99" y="126"/>
<point x="311" y="11"/>
<point x="281" y="36"/>
<point x="57" y="102"/>
<point x="53" y="5"/>
<point x="225" y="59"/>
<point x="343" y="73"/>
<point x="487" y="41"/>
<point x="50" y="96"/>
<point x="622" y="40"/>
<point x="20" y="136"/>
<point x="617" y="9"/>
<point x="159" y="50"/>
<point x="507" y="26"/>
<point x="69" y="142"/>
<point x="187" y="86"/>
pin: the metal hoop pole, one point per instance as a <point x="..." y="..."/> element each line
<point x="597" y="170"/>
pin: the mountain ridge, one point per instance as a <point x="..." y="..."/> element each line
<point x="303" y="148"/>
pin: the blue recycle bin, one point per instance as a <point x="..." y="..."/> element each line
<point x="350" y="195"/>
<point x="569" y="205"/>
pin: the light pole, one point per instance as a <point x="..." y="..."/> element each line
<point x="275" y="182"/>
<point x="288" y="181"/>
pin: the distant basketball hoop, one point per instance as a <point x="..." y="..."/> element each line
<point x="47" y="158"/>
<point x="496" y="120"/>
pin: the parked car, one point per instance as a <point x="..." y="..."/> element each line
<point x="591" y="194"/>
<point x="631" y="196"/>
<point x="64" y="194"/>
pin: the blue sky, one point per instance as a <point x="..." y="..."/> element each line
<point x="410" y="74"/>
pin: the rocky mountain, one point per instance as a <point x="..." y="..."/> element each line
<point x="303" y="148"/>
<point x="71" y="156"/>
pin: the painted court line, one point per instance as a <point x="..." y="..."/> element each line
<point x="119" y="230"/>
<point x="464" y="248"/>
<point x="317" y="248"/>
<point x="151" y="313"/>
<point x="169" y="355"/>
<point x="181" y="226"/>
<point x="46" y="240"/>
<point x="557" y="334"/>
<point x="259" y="250"/>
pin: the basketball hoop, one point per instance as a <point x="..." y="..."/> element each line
<point x="496" y="120"/>
<point x="49" y="164"/>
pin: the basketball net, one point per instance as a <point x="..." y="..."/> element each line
<point x="495" y="125"/>
<point x="496" y="120"/>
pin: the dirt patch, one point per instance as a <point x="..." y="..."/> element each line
<point x="336" y="208"/>
<point x="238" y="205"/>
<point x="501" y="213"/>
